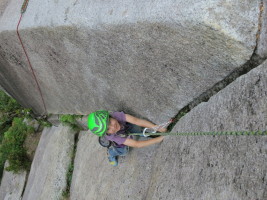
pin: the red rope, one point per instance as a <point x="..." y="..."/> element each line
<point x="28" y="59"/>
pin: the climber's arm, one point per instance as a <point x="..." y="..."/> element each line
<point x="141" y="122"/>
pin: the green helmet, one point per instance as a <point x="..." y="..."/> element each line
<point x="98" y="122"/>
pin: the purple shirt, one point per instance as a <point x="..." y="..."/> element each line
<point x="121" y="136"/>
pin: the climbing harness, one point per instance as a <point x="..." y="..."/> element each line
<point x="23" y="9"/>
<point x="104" y="142"/>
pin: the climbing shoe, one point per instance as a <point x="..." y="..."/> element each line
<point x="113" y="161"/>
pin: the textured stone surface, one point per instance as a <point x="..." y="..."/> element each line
<point x="54" y="119"/>
<point x="12" y="185"/>
<point x="262" y="34"/>
<point x="242" y="105"/>
<point x="148" y="58"/>
<point x="3" y="5"/>
<point x="221" y="167"/>
<point x="47" y="178"/>
<point x="207" y="167"/>
<point x="95" y="178"/>
<point x="189" y="167"/>
<point x="83" y="122"/>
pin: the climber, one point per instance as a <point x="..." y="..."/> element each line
<point x="115" y="126"/>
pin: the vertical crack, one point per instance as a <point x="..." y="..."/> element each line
<point x="254" y="61"/>
<point x="25" y="183"/>
<point x="66" y="192"/>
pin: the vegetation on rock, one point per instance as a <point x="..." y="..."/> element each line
<point x="70" y="120"/>
<point x="12" y="146"/>
<point x="13" y="132"/>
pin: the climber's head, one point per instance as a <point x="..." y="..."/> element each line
<point x="113" y="126"/>
<point x="98" y="122"/>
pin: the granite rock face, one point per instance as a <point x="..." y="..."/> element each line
<point x="12" y="185"/>
<point x="221" y="167"/>
<point x="241" y="106"/>
<point x="148" y="58"/>
<point x="48" y="174"/>
<point x="189" y="167"/>
<point x="210" y="167"/>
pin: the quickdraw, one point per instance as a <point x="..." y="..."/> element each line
<point x="155" y="129"/>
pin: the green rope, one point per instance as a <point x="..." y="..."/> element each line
<point x="208" y="133"/>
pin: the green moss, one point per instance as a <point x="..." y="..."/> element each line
<point x="12" y="146"/>
<point x="70" y="120"/>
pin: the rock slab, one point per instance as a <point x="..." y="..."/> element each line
<point x="94" y="178"/>
<point x="188" y="167"/>
<point x="241" y="106"/>
<point x="219" y="167"/>
<point x="47" y="178"/>
<point x="208" y="168"/>
<point x="123" y="55"/>
<point x="12" y="185"/>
